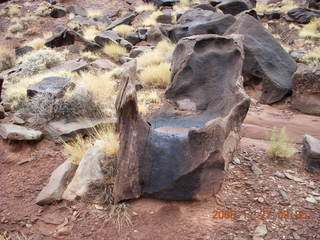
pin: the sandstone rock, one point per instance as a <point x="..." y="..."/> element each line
<point x="19" y="133"/>
<point x="58" y="182"/>
<point x="52" y="85"/>
<point x="103" y="64"/>
<point x="311" y="153"/>
<point x="89" y="171"/>
<point x="266" y="62"/>
<point x="198" y="21"/>
<point x="234" y="7"/>
<point x="302" y="15"/>
<point x="127" y="19"/>
<point x="179" y="156"/>
<point x="306" y="89"/>
<point x="67" y="130"/>
<point x="75" y="65"/>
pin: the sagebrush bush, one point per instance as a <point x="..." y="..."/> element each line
<point x="7" y="58"/>
<point x="279" y="148"/>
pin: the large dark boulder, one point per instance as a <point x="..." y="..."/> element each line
<point x="311" y="153"/>
<point x="314" y="4"/>
<point x="198" y="21"/>
<point x="302" y="15"/>
<point x="306" y="89"/>
<point x="266" y="64"/>
<point x="234" y="7"/>
<point x="182" y="151"/>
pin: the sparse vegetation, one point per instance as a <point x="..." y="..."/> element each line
<point x="110" y="138"/>
<point x="37" y="43"/>
<point x="312" y="57"/>
<point x="311" y="30"/>
<point x="76" y="148"/>
<point x="14" y="10"/>
<point x="156" y="75"/>
<point x="7" y="58"/>
<point x="16" y="27"/>
<point x="123" y="29"/>
<point x="114" y="50"/>
<point x="279" y="148"/>
<point x="145" y="99"/>
<point x="118" y="213"/>
<point x="283" y="6"/>
<point x="145" y="8"/>
<point x="94" y="13"/>
<point x="152" y="19"/>
<point x="90" y="32"/>
<point x="43" y="9"/>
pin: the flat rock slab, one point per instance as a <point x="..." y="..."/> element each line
<point x="66" y="130"/>
<point x="74" y="65"/>
<point x="52" y="85"/>
<point x="19" y="133"/>
<point x="88" y="172"/>
<point x="58" y="183"/>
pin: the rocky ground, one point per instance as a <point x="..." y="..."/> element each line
<point x="260" y="198"/>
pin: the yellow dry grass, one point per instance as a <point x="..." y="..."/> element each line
<point x="145" y="99"/>
<point x="312" y="57"/>
<point x="123" y="29"/>
<point x="152" y="19"/>
<point x="7" y="57"/>
<point x="14" y="10"/>
<point x="94" y="13"/>
<point x="90" y="32"/>
<point x="110" y="138"/>
<point x="37" y="43"/>
<point x="156" y="75"/>
<point x="311" y="30"/>
<point x="114" y="50"/>
<point x="76" y="148"/>
<point x="145" y="8"/>
<point x="284" y="6"/>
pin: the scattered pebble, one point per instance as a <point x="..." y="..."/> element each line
<point x="256" y="169"/>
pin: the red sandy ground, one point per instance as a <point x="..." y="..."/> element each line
<point x="21" y="218"/>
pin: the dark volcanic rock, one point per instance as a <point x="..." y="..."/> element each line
<point x="198" y="21"/>
<point x="234" y="7"/>
<point x="306" y="89"/>
<point x="302" y="15"/>
<point x="311" y="153"/>
<point x="106" y="37"/>
<point x="179" y="155"/>
<point x="127" y="19"/>
<point x="58" y="12"/>
<point x="163" y="2"/>
<point x="314" y="4"/>
<point x="23" y="50"/>
<point x="270" y="15"/>
<point x="62" y="37"/>
<point x="1" y="83"/>
<point x="266" y="62"/>
<point x="205" y="6"/>
<point x="75" y="65"/>
<point x="52" y="85"/>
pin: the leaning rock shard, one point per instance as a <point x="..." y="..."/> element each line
<point x="181" y="154"/>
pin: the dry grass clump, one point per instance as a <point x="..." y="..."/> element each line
<point x="37" y="43"/>
<point x="110" y="138"/>
<point x="156" y="75"/>
<point x="76" y="148"/>
<point x="7" y="58"/>
<point x="311" y="30"/>
<point x="123" y="29"/>
<point x="118" y="213"/>
<point x="152" y="19"/>
<point x="145" y="99"/>
<point x="14" y="10"/>
<point x="101" y="87"/>
<point x="16" y="27"/>
<point x="43" y="10"/>
<point x="161" y="53"/>
<point x="283" y="7"/>
<point x="279" y="148"/>
<point x="3" y="12"/>
<point x="90" y="32"/>
<point x="90" y="55"/>
<point x="145" y="7"/>
<point x="312" y="58"/>
<point x="114" y="50"/>
<point x="94" y="13"/>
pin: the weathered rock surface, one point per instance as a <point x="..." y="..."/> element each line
<point x="77" y="10"/>
<point x="163" y="2"/>
<point x="23" y="50"/>
<point x="58" y="12"/>
<point x="106" y="37"/>
<point x="306" y="89"/>
<point x="266" y="62"/>
<point x="234" y="7"/>
<point x="127" y="19"/>
<point x="62" y="37"/>
<point x="311" y="153"/>
<point x="67" y="130"/>
<point x="52" y="85"/>
<point x="88" y="172"/>
<point x="302" y="15"/>
<point x="181" y="155"/>
<point x="19" y="133"/>
<point x="103" y="64"/>
<point x="2" y="112"/>
<point x="314" y="4"/>
<point x="58" y="183"/>
<point x="198" y="21"/>
<point x="74" y="65"/>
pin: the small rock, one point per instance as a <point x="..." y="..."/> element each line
<point x="236" y="161"/>
<point x="18" y="121"/>
<point x="311" y="199"/>
<point x="283" y="195"/>
<point x="26" y="161"/>
<point x="19" y="133"/>
<point x="296" y="236"/>
<point x="99" y="207"/>
<point x="256" y="169"/>
<point x="260" y="231"/>
<point x="260" y="199"/>
<point x="279" y="174"/>
<point x="294" y="178"/>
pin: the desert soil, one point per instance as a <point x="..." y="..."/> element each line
<point x="246" y="199"/>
